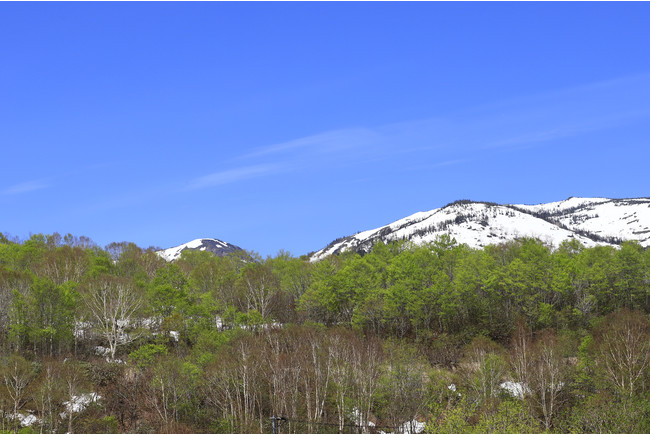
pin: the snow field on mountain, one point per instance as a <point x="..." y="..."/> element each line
<point x="591" y="221"/>
<point x="174" y="253"/>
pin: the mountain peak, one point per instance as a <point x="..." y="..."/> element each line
<point x="218" y="247"/>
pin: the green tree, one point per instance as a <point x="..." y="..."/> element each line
<point x="168" y="292"/>
<point x="632" y="276"/>
<point x="51" y="313"/>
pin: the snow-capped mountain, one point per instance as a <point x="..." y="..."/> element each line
<point x="592" y="221"/>
<point x="218" y="247"/>
<point x="601" y="219"/>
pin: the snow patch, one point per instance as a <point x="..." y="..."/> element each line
<point x="359" y="420"/>
<point x="452" y="387"/>
<point x="23" y="419"/>
<point x="517" y="390"/>
<point x="79" y="403"/>
<point x="102" y="351"/>
<point x="412" y="427"/>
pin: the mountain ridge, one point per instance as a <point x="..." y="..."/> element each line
<point x="592" y="221"/>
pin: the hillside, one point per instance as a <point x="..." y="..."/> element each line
<point x="592" y="221"/>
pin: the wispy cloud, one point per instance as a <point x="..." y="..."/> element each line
<point x="329" y="148"/>
<point x="327" y="142"/>
<point x="542" y="136"/>
<point x="25" y="187"/>
<point x="232" y="175"/>
<point x="434" y="165"/>
<point x="510" y="125"/>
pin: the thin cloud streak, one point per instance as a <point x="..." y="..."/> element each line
<point x="520" y="123"/>
<point x="232" y="175"/>
<point x="619" y="87"/>
<point x="25" y="187"/>
<point x="568" y="129"/>
<point x="542" y="136"/>
<point x="435" y="165"/>
<point x="327" y="142"/>
<point x="534" y="119"/>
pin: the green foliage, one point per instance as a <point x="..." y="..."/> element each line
<point x="168" y="291"/>
<point x="43" y="315"/>
<point x="103" y="425"/>
<point x="402" y="394"/>
<point x="602" y="412"/>
<point x="510" y="417"/>
<point x="452" y="419"/>
<point x="146" y="355"/>
<point x="100" y="263"/>
<point x="389" y="331"/>
<point x="210" y="342"/>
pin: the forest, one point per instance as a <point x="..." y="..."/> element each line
<point x="519" y="337"/>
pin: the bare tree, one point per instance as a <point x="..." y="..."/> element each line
<point x="485" y="367"/>
<point x="541" y="370"/>
<point x="355" y="368"/>
<point x="549" y="376"/>
<point x="63" y="264"/>
<point x="316" y="375"/>
<point x="17" y="375"/>
<point x="170" y="383"/>
<point x="260" y="288"/>
<point x="520" y="357"/>
<point x="284" y="367"/>
<point x="73" y="384"/>
<point x="365" y="366"/>
<point x="235" y="387"/>
<point x="340" y="351"/>
<point x="48" y="396"/>
<point x="151" y="262"/>
<point x="624" y="350"/>
<point x="113" y="304"/>
<point x="219" y="388"/>
<point x="404" y="386"/>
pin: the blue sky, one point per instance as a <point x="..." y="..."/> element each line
<point x="283" y="126"/>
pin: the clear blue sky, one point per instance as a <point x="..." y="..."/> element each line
<point x="283" y="126"/>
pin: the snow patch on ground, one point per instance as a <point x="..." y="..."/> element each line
<point x="359" y="419"/>
<point x="23" y="419"/>
<point x="412" y="427"/>
<point x="452" y="387"/>
<point x="102" y="351"/>
<point x="79" y="403"/>
<point x="515" y="389"/>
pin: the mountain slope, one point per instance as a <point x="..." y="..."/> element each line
<point x="611" y="220"/>
<point x="592" y="221"/>
<point x="218" y="247"/>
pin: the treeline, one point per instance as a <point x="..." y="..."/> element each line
<point x="516" y="337"/>
<point x="421" y="291"/>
